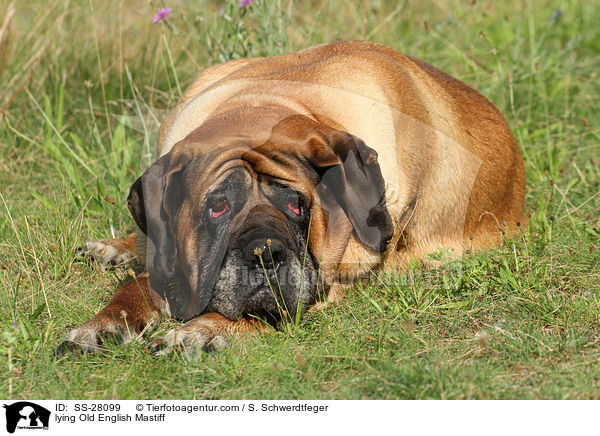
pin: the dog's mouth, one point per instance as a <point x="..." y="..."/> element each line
<point x="268" y="292"/>
<point x="261" y="299"/>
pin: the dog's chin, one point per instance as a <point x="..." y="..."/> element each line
<point x="262" y="302"/>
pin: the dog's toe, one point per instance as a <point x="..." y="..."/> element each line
<point x="215" y="344"/>
<point x="187" y="342"/>
<point x="66" y="348"/>
<point x="156" y="347"/>
<point x="76" y="348"/>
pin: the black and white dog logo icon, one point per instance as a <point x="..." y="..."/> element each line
<point x="26" y="415"/>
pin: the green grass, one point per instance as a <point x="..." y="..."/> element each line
<point x="80" y="83"/>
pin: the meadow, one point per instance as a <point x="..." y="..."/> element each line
<point x="83" y="86"/>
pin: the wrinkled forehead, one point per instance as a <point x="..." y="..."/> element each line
<point x="240" y="169"/>
<point x="220" y="168"/>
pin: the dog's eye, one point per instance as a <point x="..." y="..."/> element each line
<point x="294" y="205"/>
<point x="218" y="208"/>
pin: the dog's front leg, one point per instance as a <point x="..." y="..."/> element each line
<point x="131" y="310"/>
<point x="208" y="332"/>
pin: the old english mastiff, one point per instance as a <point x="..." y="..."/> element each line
<point x="281" y="181"/>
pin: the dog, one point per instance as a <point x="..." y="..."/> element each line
<point x="282" y="181"/>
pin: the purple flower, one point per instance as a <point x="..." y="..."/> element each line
<point x="246" y="2"/>
<point x="14" y="325"/>
<point x="163" y="13"/>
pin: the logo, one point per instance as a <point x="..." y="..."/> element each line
<point x="26" y="415"/>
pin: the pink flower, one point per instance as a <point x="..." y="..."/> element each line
<point x="245" y="2"/>
<point x="163" y="13"/>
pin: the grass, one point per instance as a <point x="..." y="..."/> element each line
<point x="83" y="85"/>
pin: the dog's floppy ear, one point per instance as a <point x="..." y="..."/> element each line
<point x="357" y="184"/>
<point x="153" y="200"/>
<point x="348" y="175"/>
<point x="135" y="204"/>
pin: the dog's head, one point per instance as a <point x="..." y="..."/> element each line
<point x="245" y="211"/>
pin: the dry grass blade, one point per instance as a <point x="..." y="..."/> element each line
<point x="5" y="40"/>
<point x="34" y="62"/>
<point x="5" y="35"/>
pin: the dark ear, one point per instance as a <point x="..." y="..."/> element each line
<point x="135" y="204"/>
<point x="347" y="173"/>
<point x="152" y="202"/>
<point x="356" y="183"/>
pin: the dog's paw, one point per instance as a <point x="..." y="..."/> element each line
<point x="92" y="337"/>
<point x="108" y="252"/>
<point x="188" y="342"/>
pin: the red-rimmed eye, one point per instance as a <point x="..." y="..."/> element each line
<point x="294" y="207"/>
<point x="219" y="208"/>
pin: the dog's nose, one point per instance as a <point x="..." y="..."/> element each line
<point x="271" y="250"/>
